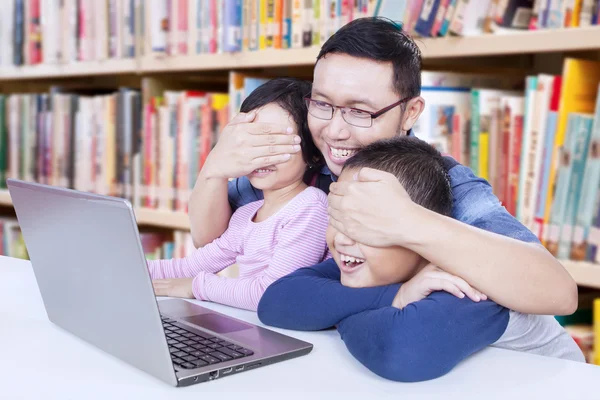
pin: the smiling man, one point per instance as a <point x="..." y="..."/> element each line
<point x="366" y="87"/>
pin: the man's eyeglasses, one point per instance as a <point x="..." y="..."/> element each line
<point x="353" y="116"/>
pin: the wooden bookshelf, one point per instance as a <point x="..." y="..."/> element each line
<point x="527" y="42"/>
<point x="162" y="219"/>
<point x="584" y="273"/>
<point x="78" y="69"/>
<point x="144" y="216"/>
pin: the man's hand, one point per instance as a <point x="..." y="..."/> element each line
<point x="374" y="209"/>
<point x="431" y="279"/>
<point x="244" y="146"/>
<point x="180" y="287"/>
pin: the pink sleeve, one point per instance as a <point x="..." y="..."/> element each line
<point x="300" y="243"/>
<point x="212" y="258"/>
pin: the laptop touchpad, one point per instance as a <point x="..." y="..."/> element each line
<point x="217" y="323"/>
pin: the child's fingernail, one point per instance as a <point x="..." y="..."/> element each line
<point x="287" y="156"/>
<point x="297" y="139"/>
<point x="355" y="176"/>
<point x="462" y="295"/>
<point x="296" y="147"/>
<point x="289" y="129"/>
<point x="249" y="116"/>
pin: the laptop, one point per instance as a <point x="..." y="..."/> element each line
<point x="92" y="274"/>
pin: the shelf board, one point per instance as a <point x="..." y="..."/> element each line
<point x="5" y="199"/>
<point x="584" y="273"/>
<point x="77" y="69"/>
<point x="526" y="42"/>
<point x="231" y="61"/>
<point x="162" y="219"/>
<point x="522" y="42"/>
<point x="144" y="216"/>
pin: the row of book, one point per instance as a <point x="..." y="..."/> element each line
<point x="111" y="144"/>
<point x="584" y="325"/>
<point x="536" y="140"/>
<point x="11" y="239"/>
<point x="65" y="31"/>
<point x="436" y="18"/>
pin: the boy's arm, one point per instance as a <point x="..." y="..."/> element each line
<point x="425" y="339"/>
<point x="212" y="258"/>
<point x="300" y="243"/>
<point x="313" y="298"/>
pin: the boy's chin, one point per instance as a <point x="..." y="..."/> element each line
<point x="353" y="281"/>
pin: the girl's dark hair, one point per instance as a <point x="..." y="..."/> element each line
<point x="418" y="166"/>
<point x="288" y="93"/>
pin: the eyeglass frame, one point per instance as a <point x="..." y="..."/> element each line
<point x="373" y="115"/>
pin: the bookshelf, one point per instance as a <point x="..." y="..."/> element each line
<point x="537" y="50"/>
<point x="78" y="69"/>
<point x="521" y="43"/>
<point x="585" y="273"/>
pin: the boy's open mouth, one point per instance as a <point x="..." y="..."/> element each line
<point x="351" y="262"/>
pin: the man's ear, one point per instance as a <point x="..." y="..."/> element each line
<point x="414" y="108"/>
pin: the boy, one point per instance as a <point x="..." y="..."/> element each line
<point x="406" y="334"/>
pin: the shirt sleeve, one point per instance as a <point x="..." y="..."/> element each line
<point x="300" y="243"/>
<point x="475" y="204"/>
<point x="313" y="298"/>
<point x="241" y="192"/>
<point x="424" y="340"/>
<point x="214" y="257"/>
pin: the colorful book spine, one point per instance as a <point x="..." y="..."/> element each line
<point x="578" y="163"/>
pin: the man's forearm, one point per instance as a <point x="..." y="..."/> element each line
<point x="521" y="276"/>
<point x="209" y="209"/>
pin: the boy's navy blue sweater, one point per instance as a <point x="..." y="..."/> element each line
<point x="424" y="340"/>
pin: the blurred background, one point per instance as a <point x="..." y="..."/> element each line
<point x="127" y="98"/>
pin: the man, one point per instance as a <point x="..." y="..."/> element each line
<point x="366" y="87"/>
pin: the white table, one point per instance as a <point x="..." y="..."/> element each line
<point x="41" y="361"/>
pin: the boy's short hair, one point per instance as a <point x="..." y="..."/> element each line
<point x="418" y="166"/>
<point x="380" y="39"/>
<point x="288" y="93"/>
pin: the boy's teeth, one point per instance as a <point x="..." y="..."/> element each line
<point x="346" y="258"/>
<point x="342" y="152"/>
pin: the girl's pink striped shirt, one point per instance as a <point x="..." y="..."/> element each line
<point x="292" y="238"/>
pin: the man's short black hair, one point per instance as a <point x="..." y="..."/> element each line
<point x="380" y="39"/>
<point x="288" y="93"/>
<point x="418" y="166"/>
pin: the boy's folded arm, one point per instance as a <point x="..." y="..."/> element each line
<point x="313" y="298"/>
<point x="424" y="340"/>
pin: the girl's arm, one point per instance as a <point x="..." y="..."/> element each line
<point x="212" y="258"/>
<point x="300" y="243"/>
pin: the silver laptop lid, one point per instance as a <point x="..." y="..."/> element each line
<point x="91" y="271"/>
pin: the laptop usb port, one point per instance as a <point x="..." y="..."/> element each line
<point x="239" y="368"/>
<point x="226" y="370"/>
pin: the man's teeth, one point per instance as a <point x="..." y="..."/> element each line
<point x="342" y="152"/>
<point x="346" y="258"/>
<point x="262" y="171"/>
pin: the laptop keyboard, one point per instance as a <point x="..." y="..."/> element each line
<point x="191" y="350"/>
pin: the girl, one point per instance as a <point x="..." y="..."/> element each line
<point x="270" y="238"/>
